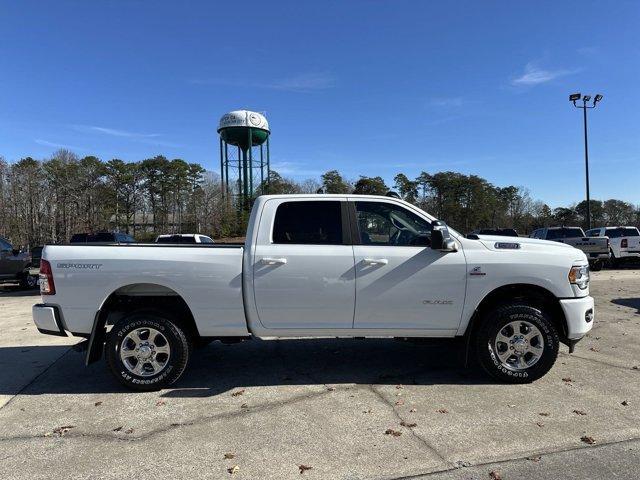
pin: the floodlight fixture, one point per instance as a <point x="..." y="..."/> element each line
<point x="597" y="98"/>
<point x="574" y="96"/>
<point x="586" y="98"/>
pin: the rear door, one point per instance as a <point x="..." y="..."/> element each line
<point x="303" y="271"/>
<point x="10" y="264"/>
<point x="401" y="283"/>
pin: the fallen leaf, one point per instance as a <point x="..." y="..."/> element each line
<point x="442" y="410"/>
<point x="304" y="468"/>
<point x="233" y="470"/>
<point x="511" y="406"/>
<point x="579" y="412"/>
<point x="367" y="411"/>
<point x="331" y="389"/>
<point x="48" y="434"/>
<point x="97" y="404"/>
<point x="540" y="424"/>
<point x="399" y="387"/>
<point x="60" y="431"/>
<point x="160" y="403"/>
<point x="117" y="429"/>
<point x="589" y="440"/>
<point x="635" y="367"/>
<point x="493" y="475"/>
<point x="534" y="459"/>
<point x="544" y="414"/>
<point x="390" y="431"/>
<point x="229" y="456"/>
<point x="129" y="431"/>
<point x="244" y="405"/>
<point x="594" y="349"/>
<point x="413" y="410"/>
<point x="238" y="393"/>
<point x="400" y="402"/>
<point x="408" y="425"/>
<point x="624" y="403"/>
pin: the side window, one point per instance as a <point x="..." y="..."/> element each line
<point x="382" y="223"/>
<point x="5" y="246"/>
<point x="204" y="239"/>
<point x="311" y="223"/>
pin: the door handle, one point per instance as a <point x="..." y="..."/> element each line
<point x="274" y="261"/>
<point x="375" y="261"/>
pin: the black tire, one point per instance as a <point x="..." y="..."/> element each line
<point x="596" y="266"/>
<point x="613" y="261"/>
<point x="28" y="281"/>
<point x="496" y="321"/>
<point x="178" y="342"/>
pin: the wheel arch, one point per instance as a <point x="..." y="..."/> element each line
<point x="133" y="297"/>
<point x="534" y="295"/>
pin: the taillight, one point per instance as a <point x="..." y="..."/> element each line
<point x="624" y="243"/>
<point x="47" y="287"/>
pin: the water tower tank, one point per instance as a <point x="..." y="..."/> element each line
<point x="234" y="128"/>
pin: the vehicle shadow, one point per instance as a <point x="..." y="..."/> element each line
<point x="628" y="302"/>
<point x="220" y="368"/>
<point x="17" y="291"/>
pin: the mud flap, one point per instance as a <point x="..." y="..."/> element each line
<point x="96" y="340"/>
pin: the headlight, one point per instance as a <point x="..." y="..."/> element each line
<point x="579" y="276"/>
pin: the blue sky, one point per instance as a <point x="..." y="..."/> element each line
<point x="366" y="87"/>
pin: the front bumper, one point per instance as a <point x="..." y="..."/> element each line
<point x="580" y="314"/>
<point x="47" y="319"/>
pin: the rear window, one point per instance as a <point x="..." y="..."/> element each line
<point x="176" y="239"/>
<point x="622" y="232"/>
<point x="313" y="223"/>
<point x="101" y="237"/>
<point x="564" y="233"/>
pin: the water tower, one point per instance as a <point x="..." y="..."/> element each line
<point x="244" y="155"/>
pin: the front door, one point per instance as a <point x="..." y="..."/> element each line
<point x="400" y="281"/>
<point x="303" y="269"/>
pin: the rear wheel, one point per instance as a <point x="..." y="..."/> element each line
<point x="517" y="343"/>
<point x="596" y="265"/>
<point x="147" y="351"/>
<point x="613" y="261"/>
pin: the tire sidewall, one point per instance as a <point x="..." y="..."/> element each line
<point x="178" y="357"/>
<point x="495" y="322"/>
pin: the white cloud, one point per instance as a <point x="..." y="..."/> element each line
<point x="47" y="143"/>
<point x="448" y="102"/>
<point x="535" y="75"/>
<point x="304" y="82"/>
<point x="114" y="132"/>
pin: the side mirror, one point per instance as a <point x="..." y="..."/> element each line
<point x="440" y="238"/>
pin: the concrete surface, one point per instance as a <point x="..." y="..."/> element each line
<point x="325" y="404"/>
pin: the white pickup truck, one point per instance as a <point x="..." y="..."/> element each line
<point x="595" y="248"/>
<point x="624" y="242"/>
<point x="320" y="266"/>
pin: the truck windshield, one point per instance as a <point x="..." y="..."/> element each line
<point x="564" y="233"/>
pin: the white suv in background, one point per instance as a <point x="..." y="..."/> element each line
<point x="624" y="242"/>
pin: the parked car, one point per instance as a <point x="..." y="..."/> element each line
<point x="180" y="238"/>
<point x="595" y="248"/>
<point x="320" y="266"/>
<point x="504" y="232"/>
<point x="102" y="237"/>
<point x="14" y="266"/>
<point x="624" y="242"/>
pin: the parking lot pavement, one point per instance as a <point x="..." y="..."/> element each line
<point x="346" y="408"/>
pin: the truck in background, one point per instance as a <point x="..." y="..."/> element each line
<point x="595" y="248"/>
<point x="624" y="242"/>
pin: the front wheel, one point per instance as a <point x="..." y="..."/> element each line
<point x="596" y="265"/>
<point x="147" y="351"/>
<point x="517" y="343"/>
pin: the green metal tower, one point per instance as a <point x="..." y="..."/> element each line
<point x="244" y="156"/>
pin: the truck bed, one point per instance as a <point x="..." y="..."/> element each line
<point x="207" y="277"/>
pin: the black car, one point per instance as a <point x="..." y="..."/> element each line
<point x="102" y="237"/>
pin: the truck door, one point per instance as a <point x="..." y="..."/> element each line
<point x="303" y="270"/>
<point x="400" y="281"/>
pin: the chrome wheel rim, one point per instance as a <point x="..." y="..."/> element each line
<point x="519" y="345"/>
<point x="145" y="352"/>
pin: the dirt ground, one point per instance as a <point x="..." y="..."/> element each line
<point x="325" y="408"/>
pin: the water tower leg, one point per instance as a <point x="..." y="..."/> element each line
<point x="268" y="168"/>
<point x="250" y="161"/>
<point x="261" y="171"/>
<point x="226" y="171"/>
<point x="222" y="169"/>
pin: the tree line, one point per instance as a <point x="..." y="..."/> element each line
<point x="46" y="201"/>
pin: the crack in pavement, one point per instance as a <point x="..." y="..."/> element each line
<point x="420" y="439"/>
<point x="195" y="422"/>
<point x="612" y="365"/>
<point x="520" y="458"/>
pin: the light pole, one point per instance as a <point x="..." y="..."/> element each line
<point x="575" y="97"/>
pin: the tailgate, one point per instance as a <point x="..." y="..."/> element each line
<point x="590" y="244"/>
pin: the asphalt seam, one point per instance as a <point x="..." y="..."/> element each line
<point x="420" y="439"/>
<point x="573" y="355"/>
<point x="534" y="453"/>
